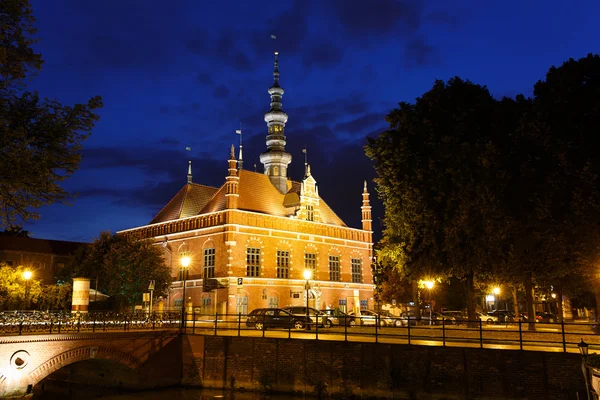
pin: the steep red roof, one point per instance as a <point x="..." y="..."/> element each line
<point x="256" y="194"/>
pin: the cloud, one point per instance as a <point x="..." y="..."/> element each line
<point x="420" y="53"/>
<point x="204" y="78"/>
<point x="369" y="20"/>
<point x="362" y="124"/>
<point x="221" y="92"/>
<point x="324" y="55"/>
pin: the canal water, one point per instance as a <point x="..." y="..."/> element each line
<point x="73" y="391"/>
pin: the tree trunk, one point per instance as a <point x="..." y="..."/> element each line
<point x="529" y="303"/>
<point x="559" y="304"/>
<point x="471" y="317"/>
<point x="416" y="299"/>
<point x="513" y="291"/>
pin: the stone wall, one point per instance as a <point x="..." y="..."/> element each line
<point x="382" y="370"/>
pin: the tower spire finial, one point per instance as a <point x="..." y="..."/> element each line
<point x="305" y="162"/>
<point x="276" y="71"/>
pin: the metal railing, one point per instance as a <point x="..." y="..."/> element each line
<point x="18" y="323"/>
<point x="561" y="336"/>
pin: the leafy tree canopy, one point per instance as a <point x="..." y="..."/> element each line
<point x="123" y="266"/>
<point x="41" y="139"/>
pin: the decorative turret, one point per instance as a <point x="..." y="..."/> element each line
<point x="366" y="210"/>
<point x="189" y="176"/>
<point x="232" y="182"/>
<point x="275" y="158"/>
<point x="309" y="199"/>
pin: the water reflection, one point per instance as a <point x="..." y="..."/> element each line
<point x="70" y="391"/>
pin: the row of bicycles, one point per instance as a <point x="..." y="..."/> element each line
<point x="19" y="322"/>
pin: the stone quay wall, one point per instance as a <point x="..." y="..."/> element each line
<point x="378" y="370"/>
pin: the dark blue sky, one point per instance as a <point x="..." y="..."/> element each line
<point x="186" y="73"/>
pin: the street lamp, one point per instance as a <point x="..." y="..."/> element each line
<point x="429" y="285"/>
<point x="496" y="292"/>
<point x="185" y="263"/>
<point x="583" y="350"/>
<point x="307" y="276"/>
<point x="27" y="276"/>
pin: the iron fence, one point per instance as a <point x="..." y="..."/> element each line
<point x="18" y="323"/>
<point x="561" y="336"/>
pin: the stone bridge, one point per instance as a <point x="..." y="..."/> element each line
<point x="28" y="359"/>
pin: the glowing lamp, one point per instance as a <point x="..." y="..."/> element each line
<point x="185" y="261"/>
<point x="307" y="274"/>
<point x="27" y="275"/>
<point x="496" y="291"/>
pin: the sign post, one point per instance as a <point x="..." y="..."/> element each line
<point x="151" y="289"/>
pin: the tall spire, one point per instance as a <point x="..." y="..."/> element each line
<point x="189" y="176"/>
<point x="275" y="158"/>
<point x="366" y="210"/>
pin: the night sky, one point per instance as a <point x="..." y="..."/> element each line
<point x="180" y="73"/>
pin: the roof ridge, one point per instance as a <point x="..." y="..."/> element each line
<point x="212" y="198"/>
<point x="167" y="205"/>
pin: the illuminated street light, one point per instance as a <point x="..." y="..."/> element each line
<point x="307" y="276"/>
<point x="185" y="263"/>
<point x="27" y="276"/>
<point x="496" y="291"/>
<point x="429" y="285"/>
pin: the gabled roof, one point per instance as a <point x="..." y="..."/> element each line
<point x="256" y="194"/>
<point x="32" y="245"/>
<point x="188" y="202"/>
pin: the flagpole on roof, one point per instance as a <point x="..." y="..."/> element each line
<point x="189" y="174"/>
<point x="240" y="160"/>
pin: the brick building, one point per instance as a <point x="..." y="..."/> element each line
<point x="251" y="239"/>
<point x="42" y="256"/>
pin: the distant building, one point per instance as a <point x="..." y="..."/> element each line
<point x="44" y="257"/>
<point x="251" y="239"/>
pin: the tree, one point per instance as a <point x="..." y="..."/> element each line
<point x="437" y="174"/>
<point x="15" y="231"/>
<point x="123" y="266"/>
<point x="15" y="292"/>
<point x="41" y="138"/>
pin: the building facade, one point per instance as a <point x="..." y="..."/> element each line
<point x="250" y="241"/>
<point x="42" y="256"/>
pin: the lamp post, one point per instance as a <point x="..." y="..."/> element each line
<point x="429" y="285"/>
<point x="583" y="350"/>
<point x="185" y="263"/>
<point x="307" y="276"/>
<point x="496" y="292"/>
<point x="27" y="276"/>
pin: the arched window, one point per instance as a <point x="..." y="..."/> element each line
<point x="209" y="263"/>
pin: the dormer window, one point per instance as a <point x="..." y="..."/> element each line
<point x="310" y="212"/>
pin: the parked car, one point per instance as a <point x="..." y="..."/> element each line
<point x="545" y="317"/>
<point x="315" y="315"/>
<point x="365" y="317"/>
<point x="487" y="318"/>
<point x="435" y="318"/>
<point x="339" y="317"/>
<point x="454" y="317"/>
<point x="503" y="316"/>
<point x="263" y="318"/>
<point x="386" y="318"/>
<point x="525" y="318"/>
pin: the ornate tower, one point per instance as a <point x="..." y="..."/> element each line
<point x="232" y="182"/>
<point x="366" y="210"/>
<point x="275" y="158"/>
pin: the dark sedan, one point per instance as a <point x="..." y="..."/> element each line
<point x="263" y="318"/>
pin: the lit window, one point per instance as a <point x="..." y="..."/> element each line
<point x="209" y="263"/>
<point x="356" y="270"/>
<point x="283" y="264"/>
<point x="310" y="262"/>
<point x="334" y="268"/>
<point x="310" y="212"/>
<point x="252" y="261"/>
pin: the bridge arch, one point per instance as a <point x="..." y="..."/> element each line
<point x="81" y="354"/>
